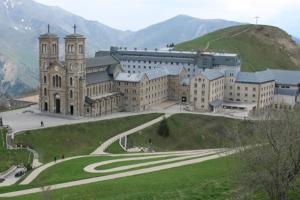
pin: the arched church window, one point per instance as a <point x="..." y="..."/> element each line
<point x="45" y="91"/>
<point x="54" y="48"/>
<point x="53" y="81"/>
<point x="71" y="93"/>
<point x="81" y="49"/>
<point x="44" y="48"/>
<point x="59" y="82"/>
<point x="71" y="81"/>
<point x="45" y="79"/>
<point x="56" y="81"/>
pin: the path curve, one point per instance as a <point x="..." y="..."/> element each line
<point x="92" y="167"/>
<point x="36" y="172"/>
<point x="118" y="175"/>
<point x="107" y="143"/>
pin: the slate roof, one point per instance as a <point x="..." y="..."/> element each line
<point x="212" y="74"/>
<point x="97" y="77"/>
<point x="174" y="70"/>
<point x="185" y="81"/>
<point x="171" y="56"/>
<point x="254" y="77"/>
<point x="100" y="61"/>
<point x="123" y="76"/>
<point x="151" y="74"/>
<point x="286" y="77"/>
<point x="286" y="92"/>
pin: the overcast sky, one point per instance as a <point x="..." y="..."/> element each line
<point x="137" y="14"/>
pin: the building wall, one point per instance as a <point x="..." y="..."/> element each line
<point x="104" y="106"/>
<point x="203" y="91"/>
<point x="259" y="93"/>
<point x="98" y="89"/>
<point x="139" y="96"/>
<point x="133" y="66"/>
<point x="284" y="102"/>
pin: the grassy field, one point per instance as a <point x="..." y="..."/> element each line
<point x="11" y="157"/>
<point x="210" y="180"/>
<point x="188" y="132"/>
<point x="78" y="139"/>
<point x="115" y="148"/>
<point x="259" y="47"/>
<point x="72" y="170"/>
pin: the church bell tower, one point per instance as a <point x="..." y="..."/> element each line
<point x="75" y="76"/>
<point x="48" y="53"/>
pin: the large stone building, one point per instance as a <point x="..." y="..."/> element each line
<point x="213" y="90"/>
<point x="134" y="80"/>
<point x="98" y="86"/>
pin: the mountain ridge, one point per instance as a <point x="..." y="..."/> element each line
<point x="22" y="21"/>
<point x="259" y="46"/>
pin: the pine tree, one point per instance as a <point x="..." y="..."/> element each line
<point x="163" y="129"/>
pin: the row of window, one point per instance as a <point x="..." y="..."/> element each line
<point x="45" y="48"/>
<point x="156" y="62"/>
<point x="99" y="89"/>
<point x="71" y="93"/>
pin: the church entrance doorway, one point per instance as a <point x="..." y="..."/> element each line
<point x="46" y="106"/>
<point x="72" y="109"/>
<point x="57" y="103"/>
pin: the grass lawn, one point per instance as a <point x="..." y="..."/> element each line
<point x="78" y="139"/>
<point x="187" y="132"/>
<point x="115" y="148"/>
<point x="72" y="170"/>
<point x="11" y="157"/>
<point x="210" y="180"/>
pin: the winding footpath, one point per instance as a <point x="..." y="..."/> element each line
<point x="195" y="160"/>
<point x="106" y="144"/>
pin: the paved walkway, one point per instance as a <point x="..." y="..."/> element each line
<point x="30" y="119"/>
<point x="107" y="143"/>
<point x="184" y="156"/>
<point x="118" y="175"/>
<point x="36" y="172"/>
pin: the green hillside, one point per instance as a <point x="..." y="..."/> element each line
<point x="258" y="46"/>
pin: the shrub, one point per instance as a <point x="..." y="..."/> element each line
<point x="163" y="129"/>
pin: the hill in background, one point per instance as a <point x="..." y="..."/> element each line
<point x="258" y="46"/>
<point x="22" y="21"/>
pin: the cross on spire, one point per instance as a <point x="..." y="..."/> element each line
<point x="256" y="19"/>
<point x="74" y="28"/>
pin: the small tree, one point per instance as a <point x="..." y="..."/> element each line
<point x="270" y="159"/>
<point x="163" y="129"/>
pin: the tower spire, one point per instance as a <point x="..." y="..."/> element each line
<point x="48" y="28"/>
<point x="74" y="28"/>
